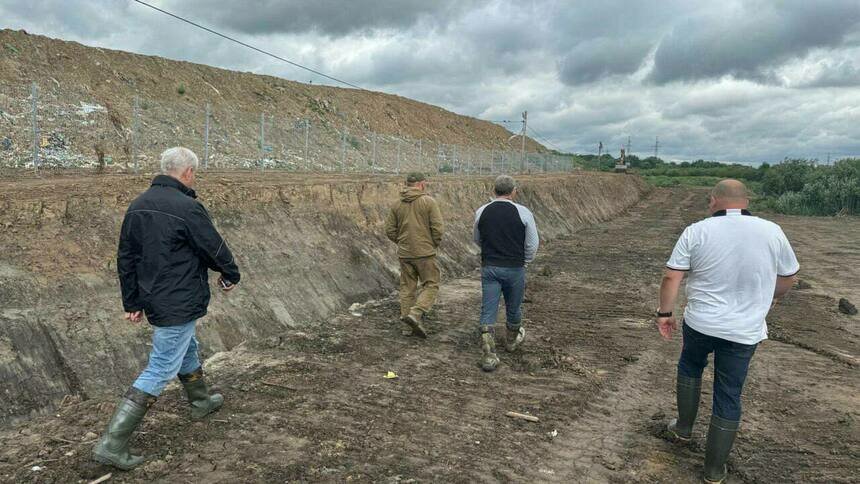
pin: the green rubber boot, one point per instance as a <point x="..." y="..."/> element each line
<point x="689" y="391"/>
<point x="202" y="403"/>
<point x="489" y="360"/>
<point x="112" y="449"/>
<point x="721" y="437"/>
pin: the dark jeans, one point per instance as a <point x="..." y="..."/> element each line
<point x="498" y="281"/>
<point x="731" y="362"/>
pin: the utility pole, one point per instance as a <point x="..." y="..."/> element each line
<point x="628" y="146"/>
<point x="828" y="158"/>
<point x="525" y="126"/>
<point x="656" y="146"/>
<point x="599" y="150"/>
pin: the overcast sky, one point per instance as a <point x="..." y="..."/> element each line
<point x="752" y="80"/>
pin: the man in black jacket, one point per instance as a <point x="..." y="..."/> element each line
<point x="167" y="245"/>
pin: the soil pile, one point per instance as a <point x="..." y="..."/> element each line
<point x="86" y="105"/>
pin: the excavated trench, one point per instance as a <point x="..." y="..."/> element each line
<point x="307" y="246"/>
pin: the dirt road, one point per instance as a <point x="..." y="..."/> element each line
<point x="314" y="406"/>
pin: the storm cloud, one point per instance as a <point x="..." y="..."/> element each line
<point x="737" y="80"/>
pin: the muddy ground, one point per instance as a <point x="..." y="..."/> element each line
<point x="313" y="405"/>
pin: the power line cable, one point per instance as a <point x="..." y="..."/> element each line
<point x="247" y="45"/>
<point x="542" y="138"/>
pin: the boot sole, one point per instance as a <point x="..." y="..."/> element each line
<point x="676" y="435"/>
<point x="202" y="417"/>
<point x="110" y="462"/>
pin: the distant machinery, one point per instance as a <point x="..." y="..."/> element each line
<point x="621" y="162"/>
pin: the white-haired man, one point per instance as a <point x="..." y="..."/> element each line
<point x="167" y="244"/>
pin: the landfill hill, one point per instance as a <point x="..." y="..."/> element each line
<point x="86" y="98"/>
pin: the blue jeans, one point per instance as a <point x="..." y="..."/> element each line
<point x="731" y="362"/>
<point x="174" y="351"/>
<point x="498" y="281"/>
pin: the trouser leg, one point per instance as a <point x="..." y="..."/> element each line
<point x="191" y="360"/>
<point x="693" y="360"/>
<point x="514" y="289"/>
<point x="408" y="286"/>
<point x="169" y="347"/>
<point x="731" y="364"/>
<point x="429" y="275"/>
<point x="491" y="293"/>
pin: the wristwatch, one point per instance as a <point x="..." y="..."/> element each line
<point x="664" y="315"/>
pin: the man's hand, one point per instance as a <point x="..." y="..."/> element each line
<point x="134" y="317"/>
<point x="666" y="326"/>
<point x="225" y="285"/>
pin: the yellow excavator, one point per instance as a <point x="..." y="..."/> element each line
<point x="621" y="163"/>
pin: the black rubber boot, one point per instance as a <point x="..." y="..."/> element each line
<point x="202" y="403"/>
<point x="689" y="391"/>
<point x="721" y="437"/>
<point x="112" y="449"/>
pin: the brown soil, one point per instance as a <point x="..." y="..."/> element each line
<point x="312" y="405"/>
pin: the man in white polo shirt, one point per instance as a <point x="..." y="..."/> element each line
<point x="739" y="266"/>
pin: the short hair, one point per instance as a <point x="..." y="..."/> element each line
<point x="504" y="185"/>
<point x="730" y="189"/>
<point x="177" y="159"/>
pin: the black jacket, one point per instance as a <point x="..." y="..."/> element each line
<point x="166" y="244"/>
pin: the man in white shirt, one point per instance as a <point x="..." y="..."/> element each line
<point x="739" y="266"/>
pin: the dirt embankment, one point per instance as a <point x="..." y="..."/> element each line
<point x="306" y="246"/>
<point x="312" y="404"/>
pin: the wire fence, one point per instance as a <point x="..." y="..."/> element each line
<point x="44" y="127"/>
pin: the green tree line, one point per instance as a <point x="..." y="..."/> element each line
<point x="795" y="186"/>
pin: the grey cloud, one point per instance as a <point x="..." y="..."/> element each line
<point x="845" y="73"/>
<point x="595" y="59"/>
<point x="745" y="42"/>
<point x="738" y="80"/>
<point x="334" y="17"/>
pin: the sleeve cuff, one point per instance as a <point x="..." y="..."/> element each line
<point x="677" y="268"/>
<point x="789" y="275"/>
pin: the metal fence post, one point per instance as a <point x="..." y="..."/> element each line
<point x="373" y="154"/>
<point x="34" y="93"/>
<point x="135" y="116"/>
<point x="262" y="138"/>
<point x="206" y="138"/>
<point x="343" y="151"/>
<point x="307" y="144"/>
<point x="398" y="156"/>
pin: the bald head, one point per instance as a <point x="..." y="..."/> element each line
<point x="729" y="194"/>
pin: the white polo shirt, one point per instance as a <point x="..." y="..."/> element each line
<point x="734" y="260"/>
